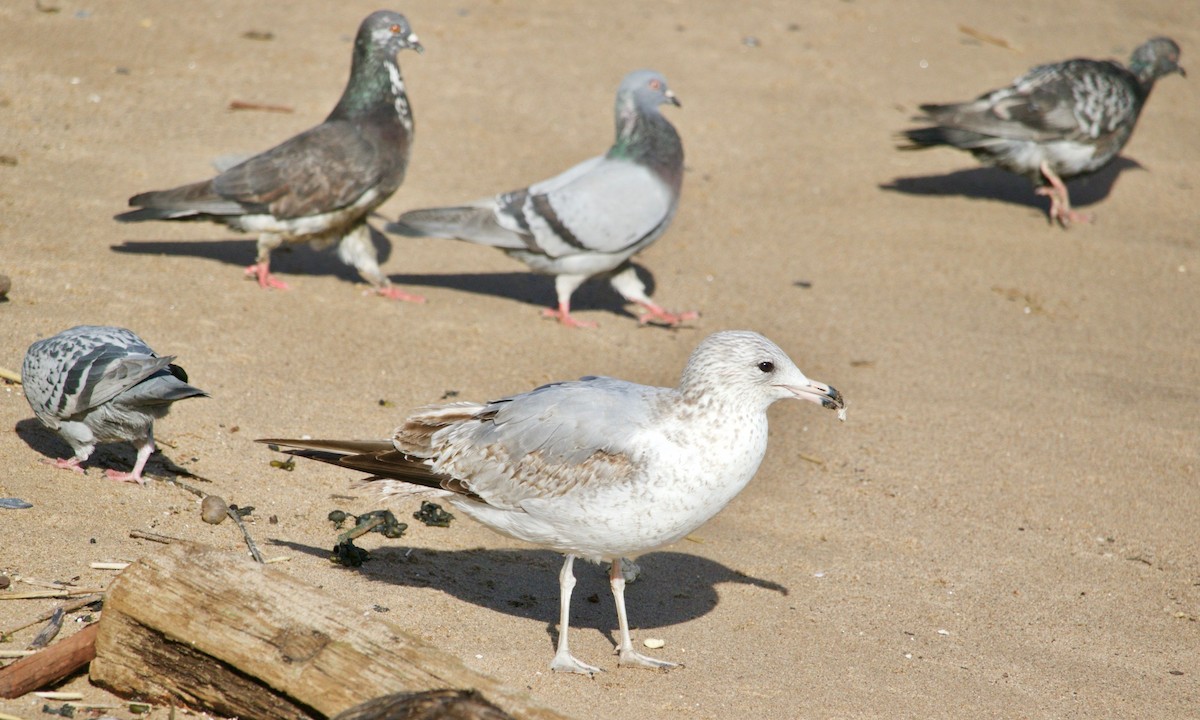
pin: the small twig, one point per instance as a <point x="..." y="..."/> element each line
<point x="143" y="535"/>
<point x="363" y="529"/>
<point x="233" y="514"/>
<point x="71" y="606"/>
<point x="184" y="486"/>
<point x="812" y="459"/>
<point x="64" y="696"/>
<point x="243" y="105"/>
<point x="10" y="375"/>
<point x="108" y="565"/>
<point x="16" y="653"/>
<point x="984" y="37"/>
<point x="64" y="593"/>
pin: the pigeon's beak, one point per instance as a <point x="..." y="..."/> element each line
<point x="818" y="392"/>
<point x="672" y="99"/>
<point x="415" y="44"/>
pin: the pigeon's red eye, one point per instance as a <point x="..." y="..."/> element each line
<point x="395" y="29"/>
<point x="655" y="85"/>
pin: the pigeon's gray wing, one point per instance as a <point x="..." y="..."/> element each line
<point x="603" y="206"/>
<point x="321" y="170"/>
<point x="83" y="368"/>
<point x="1075" y="100"/>
<point x="541" y="443"/>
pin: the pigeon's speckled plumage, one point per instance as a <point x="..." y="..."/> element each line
<point x="597" y="468"/>
<point x="590" y="220"/>
<point x="319" y="186"/>
<point x="1057" y="121"/>
<point x="96" y="384"/>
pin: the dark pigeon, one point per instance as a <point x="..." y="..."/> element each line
<point x="590" y="220"/>
<point x="320" y="186"/>
<point x="96" y="384"/>
<point x="1057" y="121"/>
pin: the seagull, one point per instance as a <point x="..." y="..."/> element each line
<point x="97" y="384"/>
<point x="590" y="220"/>
<point x="597" y="468"/>
<point x="1056" y="122"/>
<point x="319" y="186"/>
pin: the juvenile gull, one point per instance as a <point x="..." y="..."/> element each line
<point x="97" y="384"/>
<point x="1057" y="121"/>
<point x="319" y="186"/>
<point x="590" y="220"/>
<point x="597" y="468"/>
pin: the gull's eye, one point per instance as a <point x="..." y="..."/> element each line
<point x="766" y="366"/>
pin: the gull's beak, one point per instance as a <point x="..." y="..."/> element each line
<point x="672" y="99"/>
<point x="818" y="392"/>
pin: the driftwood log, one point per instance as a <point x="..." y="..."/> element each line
<point x="218" y="632"/>
<point x="49" y="665"/>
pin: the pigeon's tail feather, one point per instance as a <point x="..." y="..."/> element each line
<point x="475" y="223"/>
<point x="197" y="201"/>
<point x="921" y="138"/>
<point x="377" y="457"/>
<point x="162" y="388"/>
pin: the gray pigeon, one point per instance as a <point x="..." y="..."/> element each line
<point x="598" y="468"/>
<point x="1057" y="121"/>
<point x="102" y="384"/>
<point x="320" y="186"/>
<point x="591" y="219"/>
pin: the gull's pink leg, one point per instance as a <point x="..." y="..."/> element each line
<point x="563" y="660"/>
<point x="626" y="654"/>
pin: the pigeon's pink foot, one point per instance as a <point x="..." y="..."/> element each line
<point x="395" y="293"/>
<point x="655" y="313"/>
<point x="118" y="476"/>
<point x="563" y="315"/>
<point x="65" y="464"/>
<point x="261" y="273"/>
<point x="1060" y="200"/>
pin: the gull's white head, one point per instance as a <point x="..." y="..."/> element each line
<point x="744" y="366"/>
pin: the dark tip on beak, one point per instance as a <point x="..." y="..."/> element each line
<point x="673" y="100"/>
<point x="416" y="45"/>
<point x="834" y="401"/>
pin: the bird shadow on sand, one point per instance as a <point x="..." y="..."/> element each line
<point x="116" y="455"/>
<point x="531" y="289"/>
<point x="299" y="259"/>
<point x="987" y="183"/>
<point x="672" y="587"/>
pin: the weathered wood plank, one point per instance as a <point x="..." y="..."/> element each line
<point x="217" y="631"/>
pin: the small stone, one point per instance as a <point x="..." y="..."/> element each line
<point x="4" y="582"/>
<point x="213" y="510"/>
<point x="654" y="643"/>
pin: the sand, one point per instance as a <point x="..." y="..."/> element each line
<point x="1007" y="524"/>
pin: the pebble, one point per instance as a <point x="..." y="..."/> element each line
<point x="213" y="509"/>
<point x="654" y="643"/>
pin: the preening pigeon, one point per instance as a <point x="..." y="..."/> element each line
<point x="596" y="468"/>
<point x="319" y="186"/>
<point x="1057" y="121"/>
<point x="102" y="384"/>
<point x="591" y="219"/>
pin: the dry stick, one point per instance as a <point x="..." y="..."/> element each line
<point x="10" y="375"/>
<point x="66" y="607"/>
<point x="244" y="105"/>
<point x="64" y="593"/>
<point x="233" y="514"/>
<point x="143" y="535"/>
<point x="49" y="665"/>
